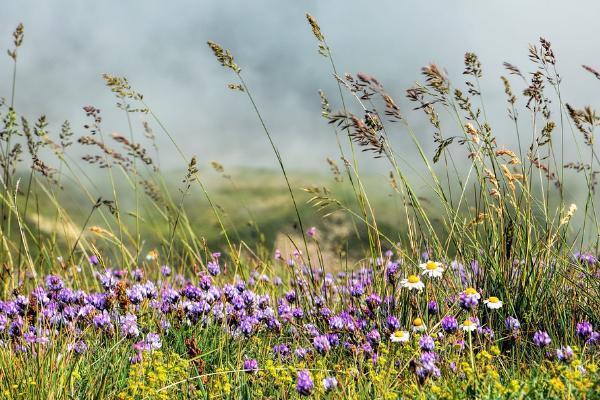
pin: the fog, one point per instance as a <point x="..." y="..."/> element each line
<point x="160" y="46"/>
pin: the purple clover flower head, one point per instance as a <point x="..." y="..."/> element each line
<point x="281" y="350"/>
<point x="170" y="296"/>
<point x="94" y="259"/>
<point x="250" y="365"/>
<point x="512" y="324"/>
<point x="392" y="323"/>
<point x="374" y="337"/>
<point x="102" y="321"/>
<point x="427" y="343"/>
<point x="449" y="324"/>
<point x="467" y="302"/>
<point x="321" y="344"/>
<point x="433" y="308"/>
<point x="373" y="301"/>
<point x="40" y="295"/>
<point x="213" y="268"/>
<point x="541" y="339"/>
<point x="54" y="283"/>
<point x="330" y="383"/>
<point x="165" y="270"/>
<point x="584" y="329"/>
<point x="425" y="367"/>
<point x="129" y="326"/>
<point x="135" y="294"/>
<point x="336" y="323"/>
<point x="565" y="354"/>
<point x="304" y="383"/>
<point x="108" y="280"/>
<point x="392" y="272"/>
<point x="152" y="342"/>
<point x="300" y="353"/>
<point x="79" y="347"/>
<point x="487" y="332"/>
<point x="586" y="258"/>
<point x="290" y="296"/>
<point x="593" y="339"/>
<point x="206" y="282"/>
<point x="137" y="274"/>
<point x="356" y="288"/>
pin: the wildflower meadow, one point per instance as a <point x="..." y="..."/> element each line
<point x="157" y="286"/>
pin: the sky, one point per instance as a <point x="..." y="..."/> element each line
<point x="161" y="48"/>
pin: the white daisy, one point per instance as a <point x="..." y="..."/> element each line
<point x="469" y="326"/>
<point x="493" y="302"/>
<point x="413" y="282"/>
<point x="472" y="292"/>
<point x="419" y="325"/>
<point x="400" y="337"/>
<point x="432" y="269"/>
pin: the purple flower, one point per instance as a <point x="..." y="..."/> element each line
<point x="102" y="321"/>
<point x="425" y="367"/>
<point x="304" y="383"/>
<point x="137" y="274"/>
<point x="356" y="288"/>
<point x="427" y="343"/>
<point x="78" y="347"/>
<point x="565" y="354"/>
<point x="373" y="301"/>
<point x="468" y="302"/>
<point x="392" y="323"/>
<point x="433" y="308"/>
<point x="170" y="296"/>
<point x="330" y="383"/>
<point x="541" y="339"/>
<point x="300" y="353"/>
<point x="54" y="283"/>
<point x="512" y="324"/>
<point x="213" y="268"/>
<point x="586" y="258"/>
<point x="322" y="344"/>
<point x="281" y="350"/>
<point x="336" y="323"/>
<point x="129" y="326"/>
<point x="250" y="365"/>
<point x="374" y="337"/>
<point x="206" y="282"/>
<point x="136" y="294"/>
<point x="152" y="341"/>
<point x="312" y="232"/>
<point x="94" y="259"/>
<point x="449" y="324"/>
<point x="584" y="329"/>
<point x="594" y="337"/>
<point x="108" y="280"/>
<point x="393" y="269"/>
<point x="165" y="270"/>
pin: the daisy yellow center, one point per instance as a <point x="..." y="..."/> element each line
<point x="470" y="291"/>
<point x="413" y="279"/>
<point x="468" y="323"/>
<point x="493" y="299"/>
<point x="431" y="265"/>
<point x="418" y="322"/>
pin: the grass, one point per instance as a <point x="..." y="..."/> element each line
<point x="471" y="275"/>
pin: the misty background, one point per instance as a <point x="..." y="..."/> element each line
<point x="161" y="48"/>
